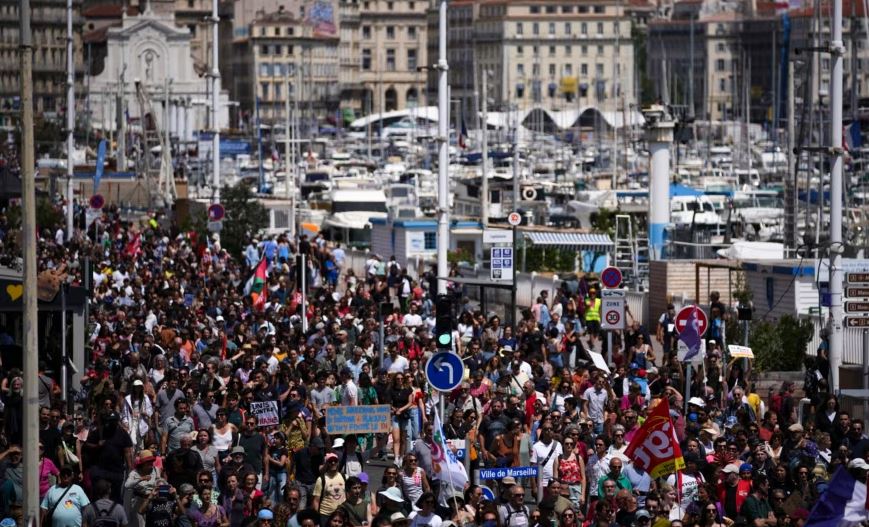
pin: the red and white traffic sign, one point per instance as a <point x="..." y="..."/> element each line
<point x="612" y="306"/>
<point x="514" y="218"/>
<point x="701" y="319"/>
<point x="611" y="277"/>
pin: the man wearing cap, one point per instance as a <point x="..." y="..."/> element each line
<point x="64" y="501"/>
<point x="732" y="490"/>
<point x="330" y="488"/>
<point x="111" y="451"/>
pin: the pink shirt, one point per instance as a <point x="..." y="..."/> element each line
<point x="46" y="469"/>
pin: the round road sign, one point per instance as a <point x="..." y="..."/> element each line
<point x="216" y="212"/>
<point x="444" y="371"/>
<point x="514" y="218"/>
<point x="97" y="201"/>
<point x="612" y="317"/>
<point x="611" y="277"/>
<point x="692" y="312"/>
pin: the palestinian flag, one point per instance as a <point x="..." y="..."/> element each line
<point x="256" y="285"/>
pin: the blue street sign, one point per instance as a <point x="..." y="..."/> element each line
<point x="514" y="472"/>
<point x="487" y="493"/>
<point x="444" y="371"/>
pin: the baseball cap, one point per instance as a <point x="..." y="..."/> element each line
<point x="338" y="443"/>
<point x="508" y="481"/>
<point x="796" y="427"/>
<point x="730" y="469"/>
<point x="331" y="455"/>
<point x="745" y="467"/>
<point x="642" y="513"/>
<point x="265" y="514"/>
<point x="238" y="450"/>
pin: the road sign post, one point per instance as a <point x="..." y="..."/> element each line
<point x="612" y="308"/>
<point x="514" y="219"/>
<point x="444" y="371"/>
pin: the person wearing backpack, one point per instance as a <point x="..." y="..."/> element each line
<point x="103" y="512"/>
<point x="515" y="513"/>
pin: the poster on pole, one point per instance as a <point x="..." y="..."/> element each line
<point x="373" y="419"/>
<point x="266" y="413"/>
<point x="742" y="352"/>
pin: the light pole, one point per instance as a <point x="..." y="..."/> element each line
<point x="837" y="336"/>
<point x="215" y="89"/>
<point x="443" y="150"/>
<point x="70" y="120"/>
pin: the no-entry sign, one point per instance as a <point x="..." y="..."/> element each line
<point x="684" y="315"/>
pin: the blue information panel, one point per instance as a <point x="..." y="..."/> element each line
<point x="515" y="472"/>
<point x="444" y="371"/>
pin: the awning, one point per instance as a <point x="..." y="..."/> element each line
<point x="578" y="240"/>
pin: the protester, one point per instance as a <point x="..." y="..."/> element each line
<point x="208" y="393"/>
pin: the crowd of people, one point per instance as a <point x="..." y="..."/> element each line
<point x="166" y="428"/>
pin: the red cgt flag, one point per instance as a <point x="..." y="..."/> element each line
<point x="655" y="447"/>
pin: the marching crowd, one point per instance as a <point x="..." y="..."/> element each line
<point x="205" y="398"/>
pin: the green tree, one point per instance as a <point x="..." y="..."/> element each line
<point x="245" y="217"/>
<point x="781" y="345"/>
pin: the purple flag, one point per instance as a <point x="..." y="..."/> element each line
<point x="690" y="335"/>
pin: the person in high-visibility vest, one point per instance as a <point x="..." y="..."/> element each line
<point x="592" y="316"/>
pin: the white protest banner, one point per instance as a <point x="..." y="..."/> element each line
<point x="266" y="413"/>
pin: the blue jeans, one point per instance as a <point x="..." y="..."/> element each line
<point x="277" y="483"/>
<point x="415" y="427"/>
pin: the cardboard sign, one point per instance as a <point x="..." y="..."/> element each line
<point x="374" y="419"/>
<point x="599" y="361"/>
<point x="743" y="352"/>
<point x="266" y="413"/>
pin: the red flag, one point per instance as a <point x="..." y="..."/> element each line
<point x="654" y="447"/>
<point x="134" y="247"/>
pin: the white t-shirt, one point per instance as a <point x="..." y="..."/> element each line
<point x="412" y="320"/>
<point x="689" y="488"/>
<point x="399" y="365"/>
<point x="418" y="520"/>
<point x="539" y="453"/>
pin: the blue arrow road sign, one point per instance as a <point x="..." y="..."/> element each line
<point x="444" y="371"/>
<point x="487" y="493"/>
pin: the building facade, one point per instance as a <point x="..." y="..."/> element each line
<point x="392" y="53"/>
<point x="48" y="22"/>
<point x="555" y="54"/>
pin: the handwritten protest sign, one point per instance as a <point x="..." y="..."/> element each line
<point x="374" y="419"/>
<point x="266" y="413"/>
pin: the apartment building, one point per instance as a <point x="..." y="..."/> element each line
<point x="557" y="54"/>
<point x="392" y="53"/>
<point x="48" y="22"/>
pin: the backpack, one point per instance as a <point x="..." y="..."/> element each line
<point x="510" y="512"/>
<point x="104" y="517"/>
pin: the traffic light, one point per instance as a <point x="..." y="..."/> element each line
<point x="444" y="322"/>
